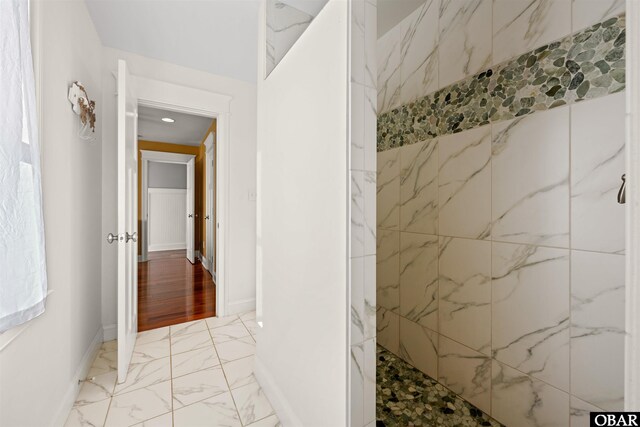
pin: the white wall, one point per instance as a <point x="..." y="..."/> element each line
<point x="242" y="134"/>
<point x="167" y="175"/>
<point x="167" y="219"/>
<point x="302" y="349"/>
<point x="40" y="368"/>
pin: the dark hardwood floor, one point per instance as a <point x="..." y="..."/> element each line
<point x="171" y="290"/>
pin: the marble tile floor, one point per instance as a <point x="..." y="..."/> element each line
<point x="407" y="397"/>
<point x="197" y="373"/>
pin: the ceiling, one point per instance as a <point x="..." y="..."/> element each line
<point x="391" y="12"/>
<point x="186" y="130"/>
<point x="217" y="36"/>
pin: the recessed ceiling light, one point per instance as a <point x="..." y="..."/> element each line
<point x="168" y="120"/>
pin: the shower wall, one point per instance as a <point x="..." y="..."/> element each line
<point x="500" y="245"/>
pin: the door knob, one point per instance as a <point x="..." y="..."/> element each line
<point x="133" y="237"/>
<point x="622" y="196"/>
<point x="190" y="215"/>
<point x="207" y="217"/>
<point x="112" y="238"/>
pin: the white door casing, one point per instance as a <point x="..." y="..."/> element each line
<point x="191" y="210"/>
<point x="210" y="197"/>
<point x="127" y="219"/>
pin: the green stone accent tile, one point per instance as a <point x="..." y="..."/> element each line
<point x="407" y="397"/>
<point x="586" y="65"/>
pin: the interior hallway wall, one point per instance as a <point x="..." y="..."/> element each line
<point x="39" y="370"/>
<point x="242" y="157"/>
<point x="500" y="263"/>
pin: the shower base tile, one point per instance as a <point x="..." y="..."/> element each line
<point x="407" y="397"/>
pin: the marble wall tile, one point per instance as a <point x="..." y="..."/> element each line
<point x="522" y="25"/>
<point x="597" y="163"/>
<point x="519" y="400"/>
<point x="370" y="364"/>
<point x="419" y="279"/>
<point x="465" y="39"/>
<point x="464" y="305"/>
<point x="388" y="189"/>
<point x="419" y="187"/>
<point x="357" y="213"/>
<point x="580" y="412"/>
<point x="466" y="372"/>
<point x="388" y="329"/>
<point x="597" y="328"/>
<point x="530" y="179"/>
<point x="419" y="52"/>
<point x="464" y="180"/>
<point x="388" y="70"/>
<point x="419" y="347"/>
<point x="357" y="41"/>
<point x="370" y="45"/>
<point x="589" y="12"/>
<point x="357" y="300"/>
<point x="357" y="385"/>
<point x="285" y="25"/>
<point x="388" y="270"/>
<point x="357" y="126"/>
<point x="370" y="208"/>
<point x="530" y="311"/>
<point x="369" y="320"/>
<point x="370" y="129"/>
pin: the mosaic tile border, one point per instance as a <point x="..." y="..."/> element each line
<point x="407" y="397"/>
<point x="586" y="65"/>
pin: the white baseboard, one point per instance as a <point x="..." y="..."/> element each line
<point x="110" y="332"/>
<point x="285" y="412"/>
<point x="167" y="247"/>
<point x="81" y="373"/>
<point x="205" y="263"/>
<point x="241" y="306"/>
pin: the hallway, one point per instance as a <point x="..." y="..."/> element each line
<point x="171" y="290"/>
<point x="184" y="375"/>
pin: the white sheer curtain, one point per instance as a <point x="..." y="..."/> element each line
<point x="23" y="277"/>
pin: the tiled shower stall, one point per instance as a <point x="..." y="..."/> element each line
<point x="500" y="243"/>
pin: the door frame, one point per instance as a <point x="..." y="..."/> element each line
<point x="632" y="300"/>
<point x="184" y="99"/>
<point x="147" y="156"/>
<point x="210" y="203"/>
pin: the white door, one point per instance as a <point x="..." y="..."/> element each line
<point x="210" y="217"/>
<point x="191" y="179"/>
<point x="127" y="219"/>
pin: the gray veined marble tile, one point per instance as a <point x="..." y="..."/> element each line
<point x="357" y="126"/>
<point x="91" y="415"/>
<point x="198" y="386"/>
<point x="419" y="187"/>
<point x="357" y="300"/>
<point x="590" y="12"/>
<point x="216" y="322"/>
<point x="530" y="311"/>
<point x="370" y="207"/>
<point x="388" y="70"/>
<point x="236" y="349"/>
<point x="285" y="24"/>
<point x="188" y="328"/>
<point x="597" y="163"/>
<point x="465" y="39"/>
<point x="192" y="361"/>
<point x="111" y="345"/>
<point x="419" y="347"/>
<point x="370" y="364"/>
<point x="357" y="385"/>
<point x="419" y="54"/>
<point x="530" y="179"/>
<point x="145" y="374"/>
<point x="220" y="408"/>
<point x="165" y="420"/>
<point x="139" y="405"/>
<point x="104" y="362"/>
<point x="388" y="329"/>
<point x="597" y="328"/>
<point x="252" y="403"/>
<point x="357" y="213"/>
<point x="370" y="130"/>
<point x="357" y="28"/>
<point x="388" y="270"/>
<point x="97" y="388"/>
<point x="465" y="184"/>
<point x="229" y="333"/>
<point x="240" y="372"/>
<point x="369" y="320"/>
<point x="182" y="343"/>
<point x="464" y="305"/>
<point x="519" y="400"/>
<point x="388" y="189"/>
<point x="419" y="279"/>
<point x="370" y="46"/>
<point x="522" y="25"/>
<point x="466" y="372"/>
<point x="153" y="335"/>
<point x="580" y="412"/>
<point x="271" y="421"/>
<point x="150" y="351"/>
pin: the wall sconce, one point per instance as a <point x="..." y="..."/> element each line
<point x="83" y="107"/>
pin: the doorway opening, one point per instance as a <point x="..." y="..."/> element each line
<point x="176" y="269"/>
